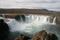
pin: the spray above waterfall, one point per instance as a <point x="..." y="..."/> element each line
<point x="33" y="23"/>
<point x="26" y="22"/>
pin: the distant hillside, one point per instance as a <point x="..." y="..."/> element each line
<point x="29" y="11"/>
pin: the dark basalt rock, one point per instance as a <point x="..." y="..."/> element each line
<point x="22" y="37"/>
<point x="23" y="17"/>
<point x="52" y="36"/>
<point x="18" y="18"/>
<point x="4" y="30"/>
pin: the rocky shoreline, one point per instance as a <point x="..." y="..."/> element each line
<point x="41" y="35"/>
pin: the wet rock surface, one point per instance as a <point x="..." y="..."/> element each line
<point x="23" y="17"/>
<point x="20" y="17"/>
<point x="43" y="35"/>
<point x="22" y="37"/>
<point x="58" y="20"/>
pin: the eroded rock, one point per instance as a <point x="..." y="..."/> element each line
<point x="52" y="36"/>
<point x="58" y="20"/>
<point x="42" y="35"/>
<point x="22" y="37"/>
<point x="20" y="18"/>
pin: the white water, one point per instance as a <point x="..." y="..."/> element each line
<point x="54" y="20"/>
<point x="33" y="24"/>
<point x="31" y="20"/>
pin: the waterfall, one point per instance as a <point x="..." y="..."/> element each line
<point x="54" y="20"/>
<point x="38" y="18"/>
<point x="30" y="21"/>
<point x="48" y="19"/>
<point x="33" y="24"/>
<point x="21" y="19"/>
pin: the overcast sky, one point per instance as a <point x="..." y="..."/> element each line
<point x="32" y="4"/>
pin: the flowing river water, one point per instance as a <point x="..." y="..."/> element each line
<point x="31" y="25"/>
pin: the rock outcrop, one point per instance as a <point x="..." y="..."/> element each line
<point x="54" y="19"/>
<point x="52" y="36"/>
<point x="50" y="19"/>
<point x="4" y="30"/>
<point x="22" y="37"/>
<point x="20" y="18"/>
<point x="42" y="35"/>
<point x="58" y="20"/>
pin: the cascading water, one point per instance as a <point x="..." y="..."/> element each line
<point x="33" y="24"/>
<point x="54" y="20"/>
<point x="38" y="18"/>
<point x="48" y="19"/>
<point x="32" y="20"/>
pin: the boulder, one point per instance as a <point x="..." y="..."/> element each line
<point x="52" y="36"/>
<point x="4" y="30"/>
<point x="22" y="37"/>
<point x="42" y="35"/>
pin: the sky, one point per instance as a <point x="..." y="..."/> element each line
<point x="31" y="4"/>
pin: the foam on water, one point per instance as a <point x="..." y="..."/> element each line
<point x="33" y="24"/>
<point x="33" y="20"/>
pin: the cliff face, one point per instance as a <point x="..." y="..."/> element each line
<point x="54" y="19"/>
<point x="51" y="18"/>
<point x="58" y="20"/>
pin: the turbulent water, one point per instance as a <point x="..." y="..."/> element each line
<point x="33" y="24"/>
